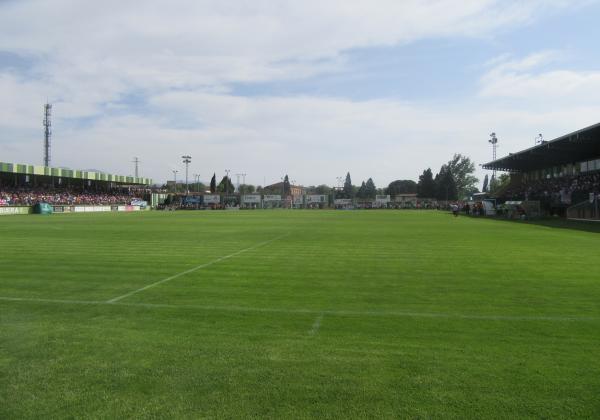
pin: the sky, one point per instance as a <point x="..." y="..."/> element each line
<point x="313" y="88"/>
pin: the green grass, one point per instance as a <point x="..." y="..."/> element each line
<point x="373" y="314"/>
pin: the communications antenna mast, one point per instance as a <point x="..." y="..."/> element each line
<point x="137" y="162"/>
<point x="47" y="132"/>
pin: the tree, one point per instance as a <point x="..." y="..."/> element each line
<point x="362" y="191"/>
<point x="322" y="189"/>
<point x="485" y="184"/>
<point x="286" y="186"/>
<point x="198" y="187"/>
<point x="213" y="183"/>
<point x="246" y="189"/>
<point x="348" y="190"/>
<point x="426" y="187"/>
<point x="446" y="189"/>
<point x="370" y="189"/>
<point x="225" y="186"/>
<point x="462" y="170"/>
<point x="401" y="186"/>
<point x="497" y="185"/>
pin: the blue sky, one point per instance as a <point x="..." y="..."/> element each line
<point x="382" y="89"/>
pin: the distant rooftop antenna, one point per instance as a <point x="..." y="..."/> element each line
<point x="47" y="132"/>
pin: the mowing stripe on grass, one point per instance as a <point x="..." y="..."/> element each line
<point x="321" y="313"/>
<point x="191" y="270"/>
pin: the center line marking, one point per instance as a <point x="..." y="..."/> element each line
<point x="191" y="270"/>
<point x="316" y="325"/>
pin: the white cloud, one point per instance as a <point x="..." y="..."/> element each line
<point x="183" y="57"/>
<point x="526" y="78"/>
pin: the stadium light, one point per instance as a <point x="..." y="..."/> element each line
<point x="175" y="179"/>
<point x="494" y="142"/>
<point x="187" y="160"/>
<point x="197" y="180"/>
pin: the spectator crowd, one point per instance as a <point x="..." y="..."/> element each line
<point x="30" y="197"/>
<point x="557" y="191"/>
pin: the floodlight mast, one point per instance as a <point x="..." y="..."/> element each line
<point x="238" y="182"/>
<point x="227" y="181"/>
<point x="175" y="179"/>
<point x="47" y="132"/>
<point x="136" y="161"/>
<point x="494" y="142"/>
<point x="187" y="160"/>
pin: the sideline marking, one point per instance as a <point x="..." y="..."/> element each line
<point x="191" y="270"/>
<point x="391" y="314"/>
<point x="316" y="325"/>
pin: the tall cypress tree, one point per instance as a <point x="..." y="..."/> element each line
<point x="362" y="191"/>
<point x="370" y="189"/>
<point x="213" y="183"/>
<point x="426" y="187"/>
<point x="348" y="190"/>
<point x="286" y="186"/>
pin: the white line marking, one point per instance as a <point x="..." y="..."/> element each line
<point x="391" y="314"/>
<point x="191" y="270"/>
<point x="316" y="325"/>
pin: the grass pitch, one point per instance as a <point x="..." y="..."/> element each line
<point x="296" y="314"/>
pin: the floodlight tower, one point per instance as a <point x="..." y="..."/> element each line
<point x="187" y="160"/>
<point x="238" y="181"/>
<point x="494" y="142"/>
<point x="227" y="181"/>
<point x="175" y="179"/>
<point x="136" y="162"/>
<point x="197" y="180"/>
<point x="47" y="132"/>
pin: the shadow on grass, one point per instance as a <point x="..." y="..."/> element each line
<point x="559" y="223"/>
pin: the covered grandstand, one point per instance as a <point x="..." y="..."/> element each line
<point x="558" y="173"/>
<point x="68" y="190"/>
<point x="22" y="175"/>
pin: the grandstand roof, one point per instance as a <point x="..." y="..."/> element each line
<point x="23" y="169"/>
<point x="578" y="146"/>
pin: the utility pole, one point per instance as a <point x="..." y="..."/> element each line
<point x="136" y="161"/>
<point x="47" y="132"/>
<point x="187" y="160"/>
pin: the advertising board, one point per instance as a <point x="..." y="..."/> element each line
<point x="310" y="199"/>
<point x="272" y="197"/>
<point x="342" y="201"/>
<point x="382" y="199"/>
<point x="4" y="211"/>
<point x="251" y="198"/>
<point x="212" y="199"/>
